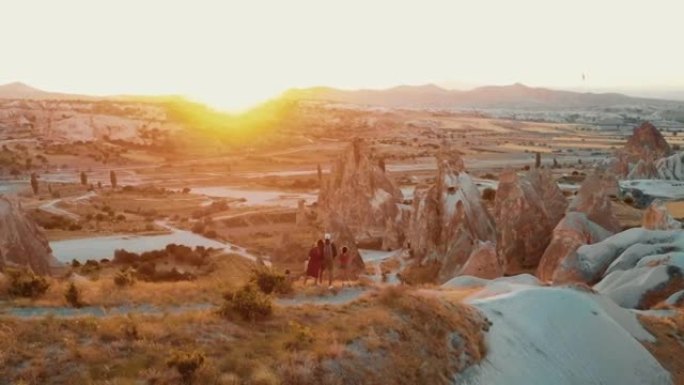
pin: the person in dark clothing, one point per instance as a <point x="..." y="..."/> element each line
<point x="314" y="264"/>
<point x="329" y="252"/>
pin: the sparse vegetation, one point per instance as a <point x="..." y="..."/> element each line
<point x="24" y="283"/>
<point x="73" y="296"/>
<point x="250" y="303"/>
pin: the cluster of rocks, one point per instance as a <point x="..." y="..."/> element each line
<point x="534" y="227"/>
<point x="22" y="244"/>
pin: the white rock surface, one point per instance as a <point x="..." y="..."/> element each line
<point x="562" y="336"/>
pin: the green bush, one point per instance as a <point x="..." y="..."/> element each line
<point x="186" y="364"/>
<point x="73" y="296"/>
<point x="24" y="283"/>
<point x="269" y="281"/>
<point x="249" y="302"/>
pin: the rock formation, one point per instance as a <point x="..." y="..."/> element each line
<point x="526" y="209"/>
<point x="360" y="195"/>
<point x="593" y="199"/>
<point x="671" y="167"/>
<point x="21" y="242"/>
<point x="574" y="230"/>
<point x="483" y="262"/>
<point x="638" y="268"/>
<point x="637" y="159"/>
<point x="644" y="169"/>
<point x="646" y="143"/>
<point x="449" y="218"/>
<point x="343" y="236"/>
<point x="656" y="217"/>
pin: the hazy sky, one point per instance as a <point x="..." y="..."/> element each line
<point x="234" y="53"/>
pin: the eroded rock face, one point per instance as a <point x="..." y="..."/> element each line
<point x="359" y="194"/>
<point x="593" y="199"/>
<point x="526" y="209"/>
<point x="671" y="167"/>
<point x="637" y="159"/>
<point x="22" y="243"/>
<point x="644" y="169"/>
<point x="644" y="267"/>
<point x="558" y="263"/>
<point x="343" y="236"/>
<point x="449" y="219"/>
<point x="483" y="262"/>
<point x="656" y="217"/>
<point x="646" y="143"/>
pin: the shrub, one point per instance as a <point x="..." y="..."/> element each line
<point x="186" y="364"/>
<point x="249" y="302"/>
<point x="489" y="194"/>
<point x="270" y="281"/>
<point x="124" y="278"/>
<point x="24" y="283"/>
<point x="73" y="296"/>
<point x="302" y="337"/>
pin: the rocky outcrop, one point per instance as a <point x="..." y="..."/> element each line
<point x="593" y="199"/>
<point x="646" y="143"/>
<point x="644" y="169"/>
<point x="304" y="215"/>
<point x="21" y="242"/>
<point x="526" y="209"/>
<point x="637" y="159"/>
<point x="560" y="257"/>
<point x="449" y="219"/>
<point x="671" y="167"/>
<point x="483" y="262"/>
<point x="343" y="236"/>
<point x="644" y="267"/>
<point x="359" y="194"/>
<point x="656" y="217"/>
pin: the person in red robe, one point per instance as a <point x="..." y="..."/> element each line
<point x="315" y="262"/>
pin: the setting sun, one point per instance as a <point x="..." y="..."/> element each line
<point x="329" y="192"/>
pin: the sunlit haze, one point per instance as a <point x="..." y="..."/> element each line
<point x="234" y="54"/>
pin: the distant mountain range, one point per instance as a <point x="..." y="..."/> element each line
<point x="19" y="90"/>
<point x="514" y="96"/>
<point x="511" y="96"/>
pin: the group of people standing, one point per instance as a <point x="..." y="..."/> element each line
<point x="322" y="259"/>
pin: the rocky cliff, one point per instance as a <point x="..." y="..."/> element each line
<point x="593" y="199"/>
<point x="671" y="167"/>
<point x="449" y="219"/>
<point x="526" y="209"/>
<point x="21" y="242"/>
<point x="360" y="195"/>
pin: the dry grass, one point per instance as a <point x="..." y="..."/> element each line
<point x="669" y="345"/>
<point x="397" y="336"/>
<point x="98" y="289"/>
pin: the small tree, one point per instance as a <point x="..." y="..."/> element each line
<point x="112" y="178"/>
<point x="73" y="296"/>
<point x="34" y="183"/>
<point x="537" y="159"/>
<point x="84" y="178"/>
